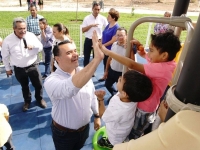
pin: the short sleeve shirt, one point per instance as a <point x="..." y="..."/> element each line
<point x="160" y="75"/>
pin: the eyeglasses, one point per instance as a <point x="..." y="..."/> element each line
<point x="119" y="35"/>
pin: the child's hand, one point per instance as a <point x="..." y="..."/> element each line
<point x="136" y="42"/>
<point x="162" y="111"/>
<point x="100" y="94"/>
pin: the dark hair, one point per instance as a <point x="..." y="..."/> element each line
<point x="114" y="14"/>
<point x="61" y="28"/>
<point x="32" y="5"/>
<point x="56" y="51"/>
<point x="166" y="42"/>
<point x="43" y="20"/>
<point x="137" y="86"/>
<point x="122" y="28"/>
<point x="95" y="4"/>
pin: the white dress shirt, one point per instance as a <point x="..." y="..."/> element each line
<point x="5" y="128"/>
<point x="72" y="106"/>
<point x="14" y="53"/>
<point x="90" y="19"/>
<point x="115" y="65"/>
<point x="119" y="119"/>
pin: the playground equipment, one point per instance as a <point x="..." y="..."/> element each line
<point x="100" y="133"/>
<point x="181" y="132"/>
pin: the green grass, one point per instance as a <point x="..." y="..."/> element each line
<point x="125" y="20"/>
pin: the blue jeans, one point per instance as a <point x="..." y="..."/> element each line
<point x="64" y="140"/>
<point x="48" y="55"/>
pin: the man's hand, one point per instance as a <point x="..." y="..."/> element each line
<point x="100" y="94"/>
<point x="30" y="47"/>
<point x="95" y="25"/>
<point x="105" y="75"/>
<point x="97" y="52"/>
<point x="97" y="123"/>
<point x="9" y="73"/>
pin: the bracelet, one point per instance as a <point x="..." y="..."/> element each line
<point x="96" y="116"/>
<point x="100" y="100"/>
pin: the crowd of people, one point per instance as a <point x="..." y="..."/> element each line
<point x="133" y="105"/>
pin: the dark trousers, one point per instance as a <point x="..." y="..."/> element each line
<point x="64" y="140"/>
<point x="112" y="78"/>
<point x="48" y="55"/>
<point x="87" y="51"/>
<point x="23" y="75"/>
<point x="8" y="144"/>
<point x="105" y="61"/>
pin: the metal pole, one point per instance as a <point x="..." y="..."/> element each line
<point x="188" y="85"/>
<point x="20" y="3"/>
<point x="180" y="7"/>
<point x="187" y="74"/>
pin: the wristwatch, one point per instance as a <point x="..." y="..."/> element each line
<point x="96" y="116"/>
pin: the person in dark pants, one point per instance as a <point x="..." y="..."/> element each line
<point x="71" y="92"/>
<point x="20" y="50"/>
<point x="109" y="34"/>
<point x="40" y="3"/>
<point x="29" y="2"/>
<point x="92" y="22"/>
<point x="47" y="42"/>
<point x="113" y="68"/>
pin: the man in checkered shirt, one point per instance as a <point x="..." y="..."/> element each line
<point x="33" y="26"/>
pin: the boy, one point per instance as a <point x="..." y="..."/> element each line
<point x="159" y="69"/>
<point x="119" y="116"/>
<point x="5" y="129"/>
<point x="47" y="42"/>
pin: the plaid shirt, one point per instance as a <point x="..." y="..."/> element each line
<point x="33" y="24"/>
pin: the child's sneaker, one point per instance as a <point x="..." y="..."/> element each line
<point x="105" y="143"/>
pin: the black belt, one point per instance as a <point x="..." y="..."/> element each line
<point x="67" y="129"/>
<point x="90" y="39"/>
<point x="37" y="34"/>
<point x="27" y="66"/>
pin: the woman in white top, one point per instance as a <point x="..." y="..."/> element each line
<point x="60" y="33"/>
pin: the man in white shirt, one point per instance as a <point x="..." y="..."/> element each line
<point x="92" y="22"/>
<point x="71" y="91"/>
<point x="20" y="50"/>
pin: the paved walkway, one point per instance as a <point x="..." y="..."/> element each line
<point x="72" y="7"/>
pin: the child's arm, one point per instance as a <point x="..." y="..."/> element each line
<point x="123" y="60"/>
<point x="100" y="97"/>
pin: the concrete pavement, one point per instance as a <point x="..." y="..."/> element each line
<point x="73" y="7"/>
